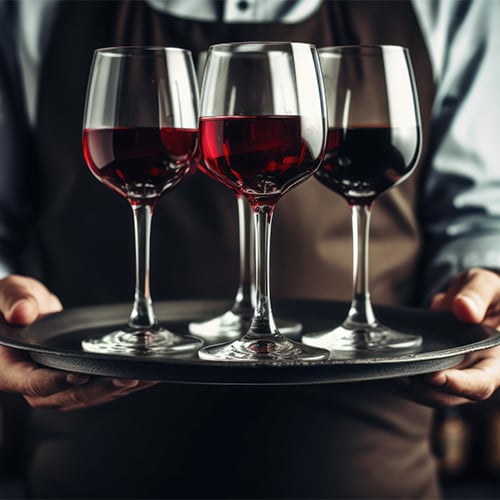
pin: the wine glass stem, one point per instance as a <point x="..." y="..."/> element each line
<point x="142" y="315"/>
<point x="262" y="322"/>
<point x="361" y="311"/>
<point x="245" y="295"/>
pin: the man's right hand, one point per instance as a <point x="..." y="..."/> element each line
<point x="23" y="300"/>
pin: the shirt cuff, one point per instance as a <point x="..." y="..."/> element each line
<point x="457" y="256"/>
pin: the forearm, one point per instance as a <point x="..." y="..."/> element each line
<point x="456" y="256"/>
<point x="15" y="157"/>
<point x="460" y="197"/>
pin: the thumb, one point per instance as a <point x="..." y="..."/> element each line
<point x="478" y="290"/>
<point x="24" y="299"/>
<point x="23" y="311"/>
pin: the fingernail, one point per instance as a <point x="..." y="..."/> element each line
<point x="76" y="378"/>
<point x="22" y="311"/>
<point x="122" y="383"/>
<point x="17" y="303"/>
<point x="471" y="303"/>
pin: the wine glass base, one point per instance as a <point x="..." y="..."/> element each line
<point x="142" y="342"/>
<point x="360" y="340"/>
<point x="230" y="325"/>
<point x="264" y="348"/>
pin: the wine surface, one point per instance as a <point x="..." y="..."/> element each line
<point x="259" y="157"/>
<point x="362" y="162"/>
<point x="140" y="163"/>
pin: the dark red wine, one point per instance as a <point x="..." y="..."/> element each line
<point x="260" y="157"/>
<point x="362" y="162"/>
<point x="141" y="163"/>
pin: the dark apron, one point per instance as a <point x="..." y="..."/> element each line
<point x="341" y="440"/>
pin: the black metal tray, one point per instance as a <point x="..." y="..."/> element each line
<point x="54" y="341"/>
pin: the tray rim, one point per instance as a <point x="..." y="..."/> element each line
<point x="419" y="362"/>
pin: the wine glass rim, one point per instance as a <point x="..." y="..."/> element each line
<point x="362" y="47"/>
<point x="127" y="50"/>
<point x="267" y="43"/>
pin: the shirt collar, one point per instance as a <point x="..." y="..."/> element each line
<point x="239" y="11"/>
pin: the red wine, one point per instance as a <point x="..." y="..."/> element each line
<point x="362" y="162"/>
<point x="259" y="157"/>
<point x="140" y="163"/>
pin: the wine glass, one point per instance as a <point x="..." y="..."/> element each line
<point x="262" y="132"/>
<point x="235" y="321"/>
<point x="374" y="142"/>
<point x="140" y="138"/>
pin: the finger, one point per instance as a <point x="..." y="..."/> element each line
<point x="23" y="300"/>
<point x="441" y="302"/>
<point x="474" y="379"/>
<point x="425" y="394"/>
<point x="24" y="311"/>
<point x="47" y="388"/>
<point x="18" y="374"/>
<point x="97" y="391"/>
<point x="463" y="306"/>
<point x="471" y="295"/>
<point x="479" y="290"/>
<point x="475" y="384"/>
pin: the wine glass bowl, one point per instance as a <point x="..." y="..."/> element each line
<point x="262" y="131"/>
<point x="373" y="144"/>
<point x="140" y="139"/>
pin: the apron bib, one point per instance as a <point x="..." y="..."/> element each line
<point x="334" y="441"/>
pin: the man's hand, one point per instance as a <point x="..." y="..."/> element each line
<point x="22" y="301"/>
<point x="473" y="296"/>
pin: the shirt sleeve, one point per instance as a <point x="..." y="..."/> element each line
<point x="14" y="151"/>
<point x="460" y="197"/>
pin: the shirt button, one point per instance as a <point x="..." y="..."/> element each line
<point x="243" y="5"/>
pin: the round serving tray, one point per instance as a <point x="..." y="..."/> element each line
<point x="54" y="341"/>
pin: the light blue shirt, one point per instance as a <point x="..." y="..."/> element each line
<point x="460" y="201"/>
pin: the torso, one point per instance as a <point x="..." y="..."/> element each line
<point x="344" y="437"/>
